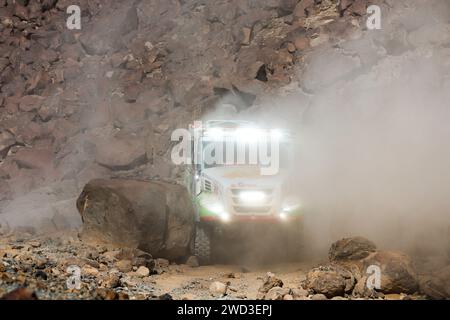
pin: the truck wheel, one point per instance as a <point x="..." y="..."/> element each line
<point x="202" y="245"/>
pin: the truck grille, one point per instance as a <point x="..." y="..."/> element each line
<point x="241" y="208"/>
<point x="252" y="210"/>
<point x="207" y="185"/>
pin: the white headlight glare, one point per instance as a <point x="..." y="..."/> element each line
<point x="215" y="133"/>
<point x="283" y="216"/>
<point x="252" y="196"/>
<point x="248" y="135"/>
<point x="277" y="134"/>
<point x="219" y="210"/>
<point x="225" y="216"/>
<point x="216" y="208"/>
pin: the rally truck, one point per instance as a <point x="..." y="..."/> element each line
<point x="237" y="193"/>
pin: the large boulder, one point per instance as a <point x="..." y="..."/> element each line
<point x="157" y="217"/>
<point x="351" y="249"/>
<point x="397" y="272"/>
<point x="355" y="256"/>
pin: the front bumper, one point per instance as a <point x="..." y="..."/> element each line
<point x="208" y="213"/>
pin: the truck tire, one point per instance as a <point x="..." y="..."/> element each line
<point x="202" y="245"/>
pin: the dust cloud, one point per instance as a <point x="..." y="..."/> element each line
<point x="373" y="160"/>
<point x="371" y="118"/>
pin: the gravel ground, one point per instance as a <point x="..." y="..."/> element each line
<point x="41" y="264"/>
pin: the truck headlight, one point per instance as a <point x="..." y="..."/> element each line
<point x="225" y="216"/>
<point x="283" y="216"/>
<point x="219" y="210"/>
<point x="290" y="204"/>
<point x="288" y="209"/>
<point x="252" y="197"/>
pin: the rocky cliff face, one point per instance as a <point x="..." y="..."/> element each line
<point x="102" y="101"/>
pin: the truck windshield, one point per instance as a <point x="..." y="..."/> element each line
<point x="218" y="154"/>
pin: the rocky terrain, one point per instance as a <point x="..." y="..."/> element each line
<point x="101" y="102"/>
<point x="39" y="268"/>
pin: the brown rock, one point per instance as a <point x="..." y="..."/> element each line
<point x="359" y="7"/>
<point x="132" y="92"/>
<point x="124" y="266"/>
<point x="143" y="272"/>
<point x="192" y="261"/>
<point x="30" y="103"/>
<point x="121" y="154"/>
<point x="218" y="288"/>
<point x="299" y="293"/>
<point x="108" y="294"/>
<point x="270" y="281"/>
<point x="300" y="10"/>
<point x="355" y="248"/>
<point x="161" y="265"/>
<point x="277" y="293"/>
<point x="12" y="104"/>
<point x="330" y="281"/>
<point x="33" y="158"/>
<point x="46" y="113"/>
<point x="139" y="214"/>
<point x="20" y="294"/>
<point x="344" y="5"/>
<point x="362" y="290"/>
<point x="34" y="244"/>
<point x="89" y="271"/>
<point x="48" y="4"/>
<point x="7" y="140"/>
<point x="113" y="281"/>
<point x="301" y="43"/>
<point x="291" y="47"/>
<point x="397" y="272"/>
<point x="21" y="11"/>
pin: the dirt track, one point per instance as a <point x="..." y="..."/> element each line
<point x="187" y="282"/>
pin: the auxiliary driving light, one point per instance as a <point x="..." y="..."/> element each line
<point x="225" y="216"/>
<point x="248" y="135"/>
<point x="283" y="216"/>
<point x="220" y="211"/>
<point x="252" y="196"/>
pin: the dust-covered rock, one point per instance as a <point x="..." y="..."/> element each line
<point x="218" y="288"/>
<point x="355" y="248"/>
<point x="330" y="281"/>
<point x="277" y="293"/>
<point x="398" y="274"/>
<point x="270" y="281"/>
<point x="7" y="140"/>
<point x="139" y="214"/>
